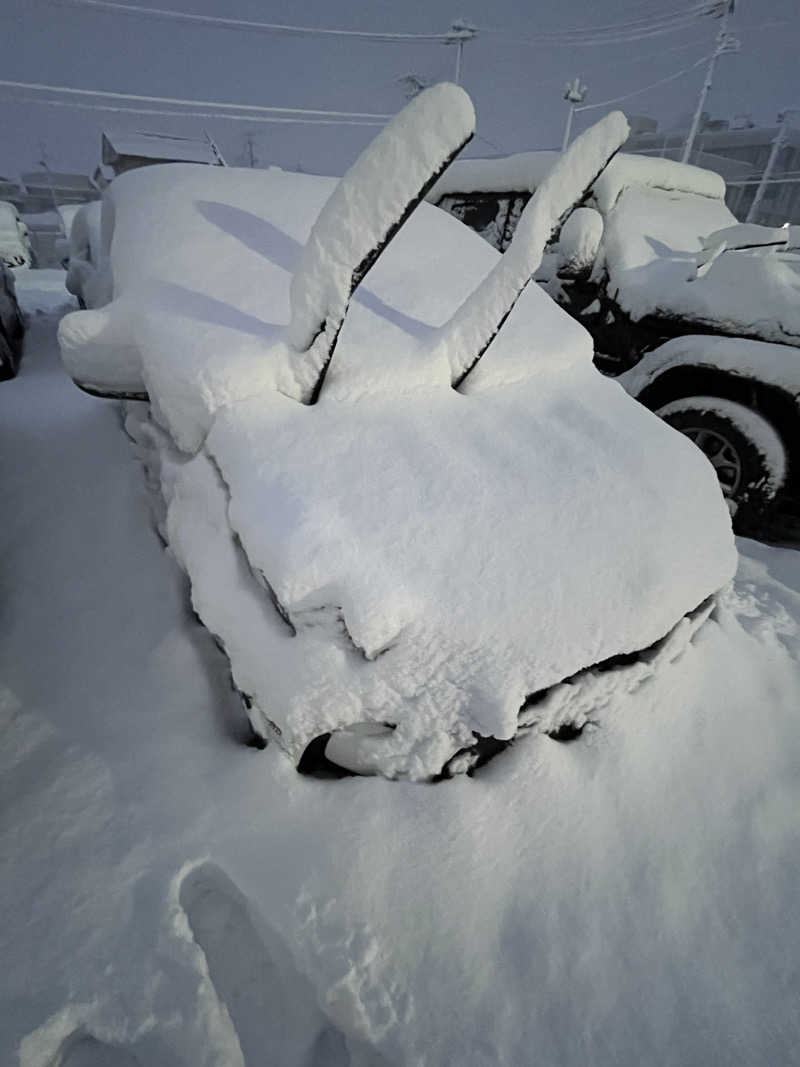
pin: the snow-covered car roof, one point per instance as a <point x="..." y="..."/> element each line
<point x="403" y="557"/>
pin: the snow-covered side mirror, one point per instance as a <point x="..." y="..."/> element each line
<point x="471" y="330"/>
<point x="579" y="242"/>
<point x="366" y="209"/>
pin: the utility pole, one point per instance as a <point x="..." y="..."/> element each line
<point x="461" y="31"/>
<point x="574" y="93"/>
<point x="726" y="42"/>
<point x="777" y="145"/>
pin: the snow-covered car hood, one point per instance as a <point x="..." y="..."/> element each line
<point x="659" y="216"/>
<point x="403" y="554"/>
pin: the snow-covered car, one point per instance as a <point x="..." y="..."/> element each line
<point x="698" y="314"/>
<point x="12" y="325"/>
<point x="411" y="510"/>
<point x="15" y="245"/>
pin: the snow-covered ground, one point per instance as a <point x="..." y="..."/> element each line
<point x="171" y="897"/>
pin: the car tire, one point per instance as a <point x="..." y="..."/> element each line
<point x="745" y="450"/>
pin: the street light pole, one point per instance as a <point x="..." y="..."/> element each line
<point x="574" y="93"/>
<point x="460" y="32"/>
<point x="777" y="145"/>
<point x="726" y="42"/>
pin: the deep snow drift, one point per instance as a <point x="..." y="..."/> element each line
<point x="171" y="897"/>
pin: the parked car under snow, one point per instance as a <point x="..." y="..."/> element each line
<point x="698" y="314"/>
<point x="15" y="244"/>
<point x="12" y="325"/>
<point x="409" y="506"/>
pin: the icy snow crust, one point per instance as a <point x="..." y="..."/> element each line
<point x="400" y="552"/>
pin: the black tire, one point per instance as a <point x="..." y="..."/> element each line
<point x="744" y="449"/>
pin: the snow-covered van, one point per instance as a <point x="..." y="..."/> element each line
<point x="410" y="508"/>
<point x="698" y="314"/>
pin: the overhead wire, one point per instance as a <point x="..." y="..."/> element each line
<point x="225" y="116"/>
<point x="644" y="88"/>
<point x="251" y="25"/>
<point x="217" y="105"/>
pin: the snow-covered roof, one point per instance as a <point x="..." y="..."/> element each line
<point x="157" y="146"/>
<point x="521" y="173"/>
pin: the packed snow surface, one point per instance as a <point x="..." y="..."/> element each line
<point x="404" y="553"/>
<point x="172" y="898"/>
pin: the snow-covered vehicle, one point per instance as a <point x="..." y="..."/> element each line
<point x="698" y="314"/>
<point x="12" y="325"/>
<point x="15" y="244"/>
<point x="409" y="506"/>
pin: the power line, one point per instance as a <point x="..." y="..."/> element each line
<point x="618" y="33"/>
<point x="224" y="22"/>
<point x="217" y="105"/>
<point x="645" y="88"/>
<point x="226" y="116"/>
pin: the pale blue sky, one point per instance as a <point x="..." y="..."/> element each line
<point x="517" y="89"/>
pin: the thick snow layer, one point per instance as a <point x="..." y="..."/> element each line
<point x="174" y="899"/>
<point x="520" y="173"/>
<point x="773" y="364"/>
<point x="359" y="536"/>
<point x="361" y="215"/>
<point x="629" y="171"/>
<point x="649" y="251"/>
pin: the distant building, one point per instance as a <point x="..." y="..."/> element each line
<point x="738" y="150"/>
<point x="42" y="190"/>
<point x="127" y="151"/>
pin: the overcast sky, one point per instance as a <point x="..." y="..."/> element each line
<point x="517" y="88"/>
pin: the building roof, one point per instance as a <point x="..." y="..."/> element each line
<point x="157" y="146"/>
<point x="58" y="180"/>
